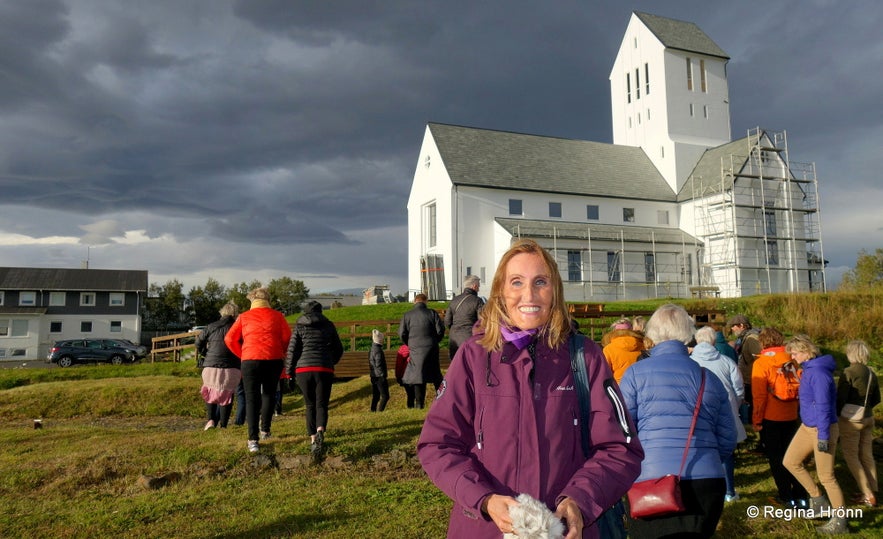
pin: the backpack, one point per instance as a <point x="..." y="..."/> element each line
<point x="785" y="383"/>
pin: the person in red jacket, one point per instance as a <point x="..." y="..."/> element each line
<point x="260" y="338"/>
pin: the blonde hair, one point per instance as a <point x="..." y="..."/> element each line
<point x="494" y="314"/>
<point x="258" y="293"/>
<point x="229" y="309"/>
<point x="857" y="352"/>
<point x="802" y="343"/>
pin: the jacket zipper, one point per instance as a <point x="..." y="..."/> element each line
<point x="619" y="409"/>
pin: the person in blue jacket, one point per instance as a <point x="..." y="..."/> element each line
<point x="818" y="432"/>
<point x="660" y="394"/>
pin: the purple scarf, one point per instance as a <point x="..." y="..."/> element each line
<point x="520" y="338"/>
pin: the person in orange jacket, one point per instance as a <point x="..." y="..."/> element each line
<point x="622" y="347"/>
<point x="776" y="420"/>
<point x="260" y="338"/>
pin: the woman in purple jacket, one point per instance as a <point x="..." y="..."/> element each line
<point x="506" y="418"/>
<point x="818" y="433"/>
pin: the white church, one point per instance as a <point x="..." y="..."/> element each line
<point x="673" y="208"/>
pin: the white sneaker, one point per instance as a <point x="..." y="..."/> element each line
<point x="264" y="435"/>
<point x="733" y="498"/>
<point x="253" y="446"/>
<point x="209" y="425"/>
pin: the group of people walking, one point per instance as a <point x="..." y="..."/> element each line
<point x="529" y="406"/>
<point x="257" y="348"/>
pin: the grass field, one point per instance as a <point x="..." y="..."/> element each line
<point x="109" y="432"/>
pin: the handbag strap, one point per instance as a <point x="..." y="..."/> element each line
<point x="693" y="422"/>
<point x="581" y="380"/>
<point x="868" y="389"/>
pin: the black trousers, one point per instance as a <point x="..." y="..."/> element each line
<point x="316" y="387"/>
<point x="776" y="437"/>
<point x="379" y="394"/>
<point x="259" y="378"/>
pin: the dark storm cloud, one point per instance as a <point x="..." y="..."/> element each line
<point x="244" y="126"/>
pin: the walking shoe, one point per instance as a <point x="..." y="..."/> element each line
<point x="209" y="425"/>
<point x="819" y="504"/>
<point x="320" y="440"/>
<point x="264" y="435"/>
<point x="731" y="498"/>
<point x="835" y="526"/>
<point x="253" y="446"/>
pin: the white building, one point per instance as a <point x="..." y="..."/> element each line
<point x="672" y="208"/>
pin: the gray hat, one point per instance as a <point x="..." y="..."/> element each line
<point x="739" y="319"/>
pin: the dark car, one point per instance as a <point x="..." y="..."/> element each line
<point x="71" y="351"/>
<point x="139" y="350"/>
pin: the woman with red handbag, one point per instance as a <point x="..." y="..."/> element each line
<point x="686" y="427"/>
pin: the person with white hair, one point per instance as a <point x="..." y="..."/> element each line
<point x="858" y="386"/>
<point x="661" y="393"/>
<point x="706" y="354"/>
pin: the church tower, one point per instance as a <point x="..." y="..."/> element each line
<point x="669" y="94"/>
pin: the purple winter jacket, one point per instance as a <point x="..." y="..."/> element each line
<point x="503" y="424"/>
<point x="818" y="395"/>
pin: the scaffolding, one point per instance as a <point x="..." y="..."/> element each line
<point x="759" y="221"/>
<point x="609" y="262"/>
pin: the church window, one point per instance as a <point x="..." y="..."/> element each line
<point x="637" y="84"/>
<point x="574" y="266"/>
<point x="689" y="74"/>
<point x="702" y="76"/>
<point x="515" y="207"/>
<point x="628" y="87"/>
<point x="647" y="79"/>
<point x="628" y="215"/>
<point x="554" y="209"/>
<point x="592" y="213"/>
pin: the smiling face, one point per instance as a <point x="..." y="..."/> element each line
<point x="527" y="291"/>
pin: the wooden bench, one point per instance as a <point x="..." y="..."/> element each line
<point x="355" y="364"/>
<point x="705" y="291"/>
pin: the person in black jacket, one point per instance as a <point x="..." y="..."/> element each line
<point x="462" y="314"/>
<point x="221" y="372"/>
<point x="422" y="329"/>
<point x="313" y="351"/>
<point x="379" y="382"/>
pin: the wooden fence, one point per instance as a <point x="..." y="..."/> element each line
<point x="593" y="321"/>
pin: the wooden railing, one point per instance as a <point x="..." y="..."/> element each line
<point x="171" y="347"/>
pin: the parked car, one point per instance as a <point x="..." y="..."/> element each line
<point x="139" y="350"/>
<point x="71" y="351"/>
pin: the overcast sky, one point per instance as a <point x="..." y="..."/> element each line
<point x="256" y="139"/>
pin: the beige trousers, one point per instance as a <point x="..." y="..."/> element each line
<point x="856" y="445"/>
<point x="806" y="443"/>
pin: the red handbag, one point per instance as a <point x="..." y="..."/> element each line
<point x="662" y="496"/>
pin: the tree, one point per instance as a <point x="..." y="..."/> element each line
<point x="867" y="274"/>
<point x="206" y="302"/>
<point x="238" y="293"/>
<point x="286" y="294"/>
<point x="165" y="308"/>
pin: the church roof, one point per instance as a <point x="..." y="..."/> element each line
<point x="682" y="35"/>
<point x="706" y="175"/>
<point x="504" y="160"/>
<point x="534" y="228"/>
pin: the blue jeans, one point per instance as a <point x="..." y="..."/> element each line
<point x="240" y="404"/>
<point x="730" y="473"/>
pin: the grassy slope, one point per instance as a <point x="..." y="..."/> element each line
<point x="106" y="426"/>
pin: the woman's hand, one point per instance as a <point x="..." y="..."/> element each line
<point x="497" y="507"/>
<point x="569" y="512"/>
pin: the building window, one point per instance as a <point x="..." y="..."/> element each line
<point x="648" y="115"/>
<point x="630" y="122"/>
<point x="637" y="84"/>
<point x="647" y="81"/>
<point x="662" y="151"/>
<point x="705" y="111"/>
<point x="1" y="298"/>
<point x="515" y="207"/>
<point x="574" y="266"/>
<point x="19" y="328"/>
<point x="55" y="326"/>
<point x="592" y="212"/>
<point x="87" y="299"/>
<point x="639" y="118"/>
<point x="662" y="217"/>
<point x="702" y="76"/>
<point x="86" y="326"/>
<point x="117" y="299"/>
<point x="116" y="326"/>
<point x="613" y="266"/>
<point x="555" y="209"/>
<point x="430" y="235"/>
<point x="772" y="252"/>
<point x="649" y="267"/>
<point x="691" y="110"/>
<point x="628" y="215"/>
<point x="4" y="327"/>
<point x="27" y="299"/>
<point x="57" y="299"/>
<point x="689" y="74"/>
<point x="628" y="88"/>
<point x="427" y="161"/>
<point x="770" y="229"/>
